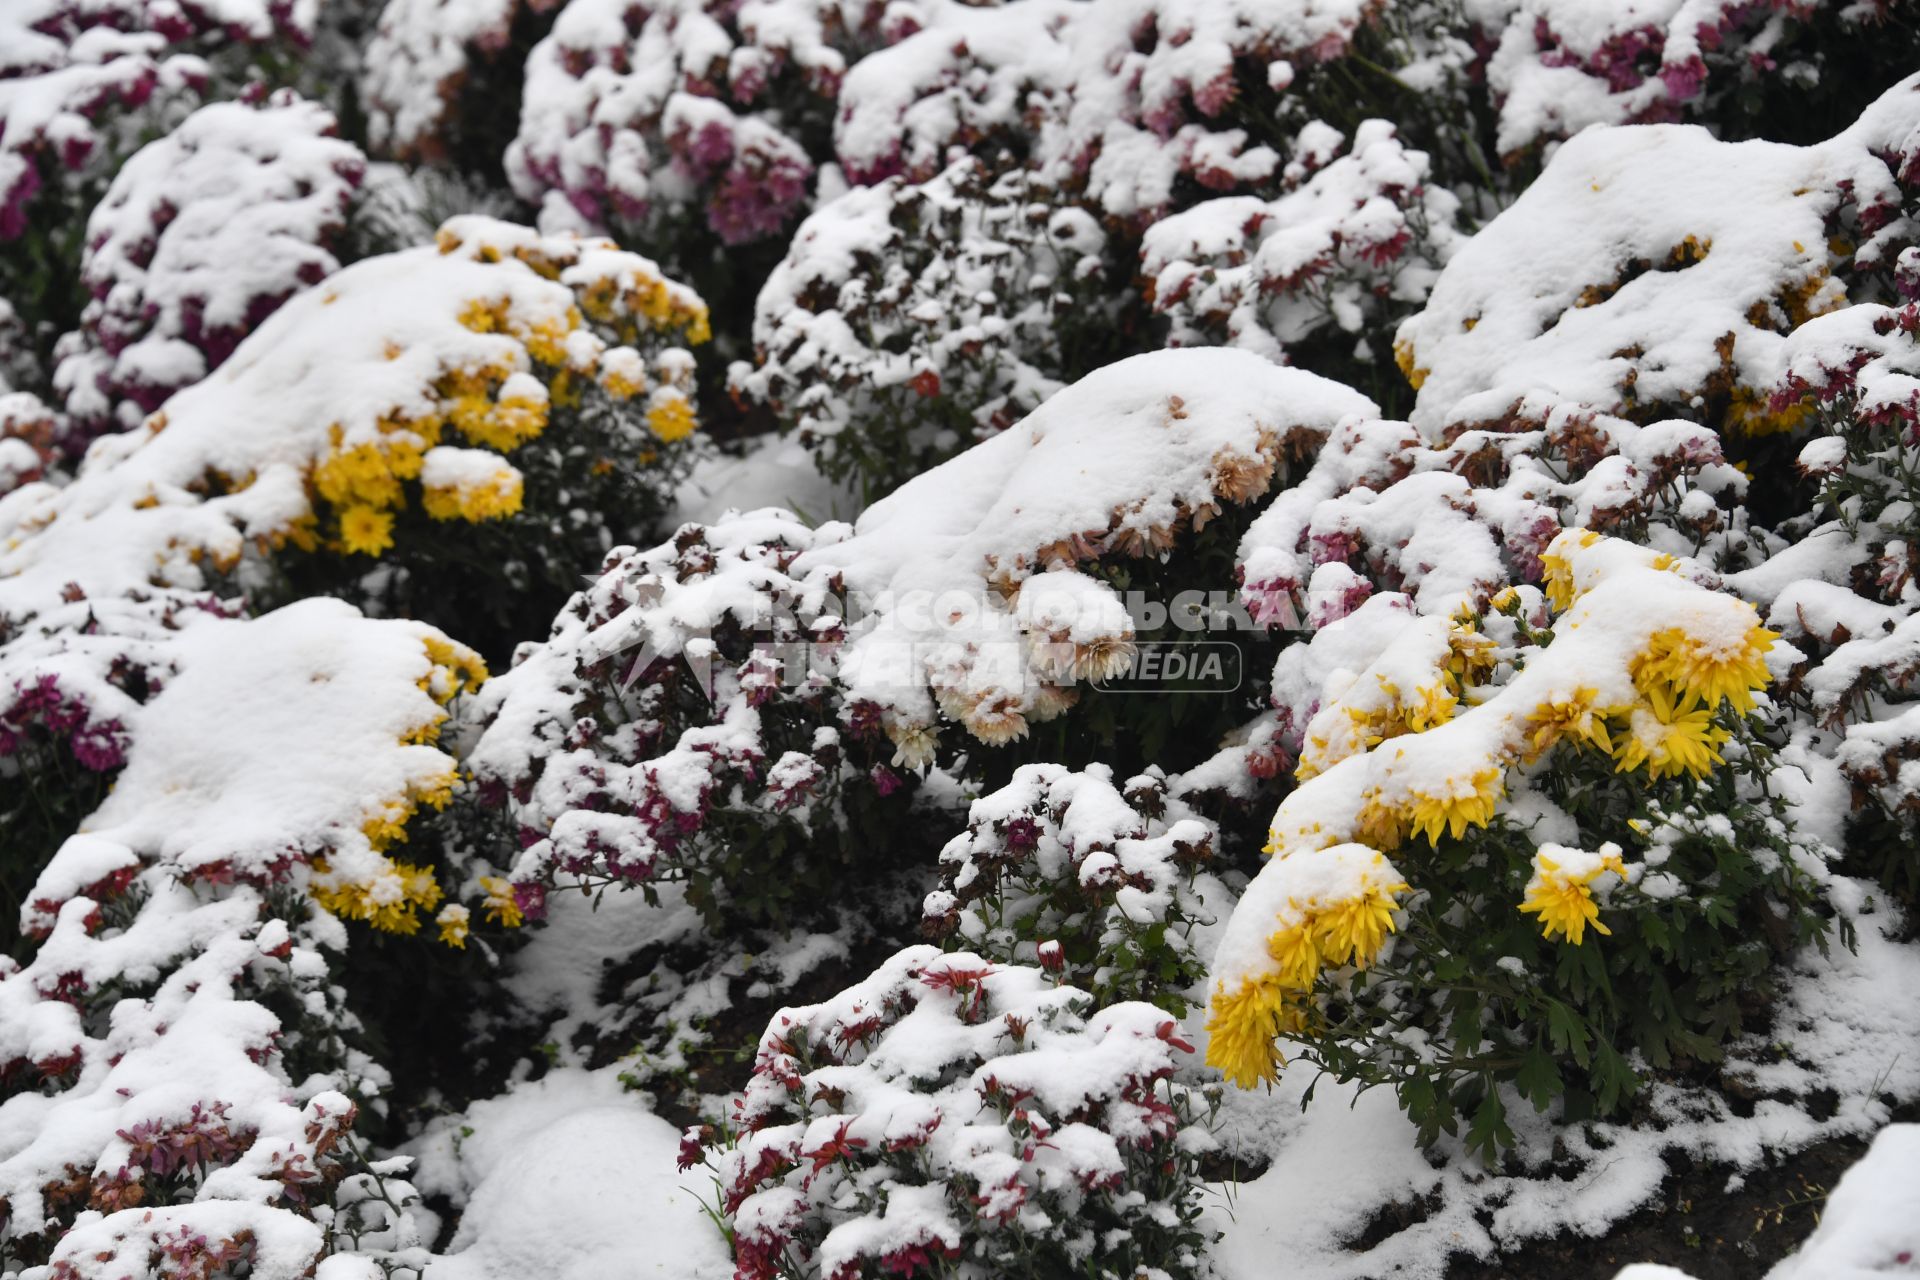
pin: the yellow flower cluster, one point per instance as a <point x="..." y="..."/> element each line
<point x="388" y="899"/>
<point x="388" y="824"/>
<point x="499" y="496"/>
<point x="1557" y="570"/>
<point x="390" y="895"/>
<point x="1241" y="1026"/>
<point x="670" y="417"/>
<point x="1314" y="934"/>
<point x="1417" y="684"/>
<point x="1563" y="897"/>
<point x="622" y="302"/>
<point x="1682" y="678"/>
<point x="365" y="481"/>
<point x="1448" y="773"/>
<point x="1409" y="362"/>
<point x="1466" y="799"/>
<point x="455" y="922"/>
<point x="496" y="404"/>
<point x="453" y="669"/>
<point x="500" y="903"/>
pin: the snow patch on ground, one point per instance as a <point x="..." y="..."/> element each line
<point x="569" y="1176"/>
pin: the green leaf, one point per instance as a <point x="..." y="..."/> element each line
<point x="1569" y="1031"/>
<point x="1538" y="1078"/>
<point x="1489" y="1134"/>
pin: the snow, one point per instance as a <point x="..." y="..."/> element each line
<point x="771" y="471"/>
<point x="572" y="1174"/>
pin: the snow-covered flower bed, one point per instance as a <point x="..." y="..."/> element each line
<point x="1279" y="636"/>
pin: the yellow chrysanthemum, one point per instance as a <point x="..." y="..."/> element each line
<point x="435" y="792"/>
<point x="365" y="530"/>
<point x="1575" y="715"/>
<point x="1467" y="801"/>
<point x="388" y="900"/>
<point x="1559" y="573"/>
<point x="500" y="904"/>
<point x="389" y="826"/>
<point x="495" y="499"/>
<point x="1241" y="1028"/>
<point x="456" y="669"/>
<point x="455" y="922"/>
<point x="698" y="328"/>
<point x="1378" y="824"/>
<point x="302" y="533"/>
<point x="1428" y="708"/>
<point x="1669" y="736"/>
<point x="1353" y="931"/>
<point x="1564" y="901"/>
<point x="482" y="316"/>
<point x="427" y="732"/>
<point x="1695" y="668"/>
<point x="1471" y="656"/>
<point x="621" y="385"/>
<point x="1404" y="357"/>
<point x="359" y="474"/>
<point x="671" y="418"/>
<point x="1293" y="949"/>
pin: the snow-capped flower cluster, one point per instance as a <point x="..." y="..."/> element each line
<point x="1120" y="101"/>
<point x="1621" y="282"/>
<point x="1013" y="561"/>
<point x="348" y="393"/>
<point x="1501" y="733"/>
<point x="1562" y="65"/>
<point x="1359" y="239"/>
<point x="67" y="69"/>
<point x="648" y="116"/>
<point x="202" y="235"/>
<point x="909" y="319"/>
<point x="170" y="931"/>
<point x="679" y="717"/>
<point x="1085" y="879"/>
<point x="422" y="56"/>
<point x="947" y="1111"/>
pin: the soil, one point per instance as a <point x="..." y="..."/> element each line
<point x="1696" y="1225"/>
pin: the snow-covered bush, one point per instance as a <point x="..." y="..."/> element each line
<point x="679" y="727"/>
<point x="1853" y="603"/>
<point x="426" y="60"/>
<point x="1122" y="102"/>
<point x="909" y="320"/>
<point x="996" y="588"/>
<point x="67" y="69"/>
<point x="1089" y="881"/>
<point x="1623" y="280"/>
<point x="173" y="1039"/>
<point x="647" y="117"/>
<point x="507" y="341"/>
<point x="951" y="1116"/>
<point x="1533" y="758"/>
<point x="202" y="235"/>
<point x="29" y="433"/>
<point x="1341" y="256"/>
<point x="1557" y="66"/>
